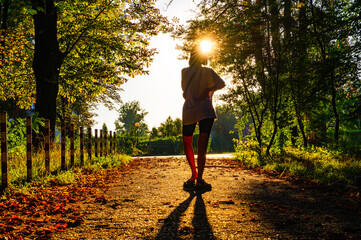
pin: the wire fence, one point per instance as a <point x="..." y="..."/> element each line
<point x="99" y="150"/>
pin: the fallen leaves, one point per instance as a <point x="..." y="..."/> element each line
<point x="101" y="199"/>
<point x="45" y="210"/>
<point x="35" y="214"/>
<point x="226" y="202"/>
<point x="186" y="231"/>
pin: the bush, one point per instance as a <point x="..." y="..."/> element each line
<point x="162" y="146"/>
<point x="316" y="163"/>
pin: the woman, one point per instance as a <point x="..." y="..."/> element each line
<point x="198" y="84"/>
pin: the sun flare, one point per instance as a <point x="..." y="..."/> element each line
<point x="206" y="46"/>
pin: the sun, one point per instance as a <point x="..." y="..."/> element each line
<point x="206" y="46"/>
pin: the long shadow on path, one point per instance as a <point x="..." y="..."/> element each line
<point x="201" y="227"/>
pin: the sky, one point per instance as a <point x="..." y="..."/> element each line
<point x="159" y="93"/>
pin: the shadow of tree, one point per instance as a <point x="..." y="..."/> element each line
<point x="201" y="227"/>
<point x="293" y="212"/>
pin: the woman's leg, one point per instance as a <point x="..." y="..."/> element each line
<point x="202" y="151"/>
<point x="205" y="127"/>
<point x="188" y="148"/>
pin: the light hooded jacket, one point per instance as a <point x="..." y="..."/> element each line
<point x="195" y="81"/>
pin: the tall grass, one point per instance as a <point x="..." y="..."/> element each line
<point x="17" y="170"/>
<point x="316" y="163"/>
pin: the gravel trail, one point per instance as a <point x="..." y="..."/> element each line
<point x="149" y="203"/>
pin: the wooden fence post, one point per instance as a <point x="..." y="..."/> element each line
<point x="96" y="143"/>
<point x="72" y="145"/>
<point x="115" y="142"/>
<point x="101" y="142"/>
<point x="89" y="144"/>
<point x="29" y="145"/>
<point x="47" y="147"/>
<point x="105" y="144"/>
<point x="63" y="147"/>
<point x="81" y="146"/>
<point x="4" y="151"/>
<point x="110" y="142"/>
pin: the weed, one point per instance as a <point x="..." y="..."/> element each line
<point x="17" y="170"/>
<point x="316" y="163"/>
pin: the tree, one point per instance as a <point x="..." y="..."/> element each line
<point x="47" y="58"/>
<point x="171" y="128"/>
<point x="105" y="128"/>
<point x="178" y="126"/>
<point x="79" y="113"/>
<point x="252" y="50"/>
<point x="291" y="62"/>
<point x="332" y="30"/>
<point x="131" y="118"/>
<point x="16" y="86"/>
<point x="153" y="133"/>
<point x="223" y="130"/>
<point x="103" y="39"/>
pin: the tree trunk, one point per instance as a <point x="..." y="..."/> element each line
<point x="334" y="109"/>
<point x="275" y="66"/>
<point x="258" y="41"/>
<point x="47" y="60"/>
<point x="302" y="129"/>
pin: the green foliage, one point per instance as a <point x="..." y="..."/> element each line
<point x="17" y="132"/>
<point x="153" y="133"/>
<point x="129" y="144"/>
<point x="282" y="140"/>
<point x="223" y="130"/>
<point x="292" y="64"/>
<point x="163" y="146"/>
<point x="17" y="158"/>
<point x="79" y="113"/>
<point x="16" y="31"/>
<point x="170" y="128"/>
<point x="316" y="163"/>
<point x="98" y="45"/>
<point x="105" y="128"/>
<point x="167" y="145"/>
<point x="111" y="161"/>
<point x="109" y="42"/>
<point x="131" y="120"/>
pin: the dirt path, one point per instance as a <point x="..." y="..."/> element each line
<point x="149" y="203"/>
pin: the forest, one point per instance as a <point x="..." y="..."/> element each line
<point x="294" y="70"/>
<point x="290" y="119"/>
<point x="294" y="65"/>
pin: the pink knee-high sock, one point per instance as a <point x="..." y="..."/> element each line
<point x="188" y="150"/>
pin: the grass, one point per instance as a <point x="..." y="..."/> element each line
<point x="17" y="172"/>
<point x="317" y="163"/>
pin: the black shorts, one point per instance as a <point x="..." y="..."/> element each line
<point x="205" y="126"/>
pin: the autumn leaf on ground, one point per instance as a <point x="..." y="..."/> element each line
<point x="128" y="200"/>
<point x="101" y="199"/>
<point x="46" y="209"/>
<point x="226" y="202"/>
<point x="186" y="230"/>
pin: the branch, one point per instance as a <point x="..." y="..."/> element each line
<point x="168" y="4"/>
<point x="220" y="14"/>
<point x="71" y="46"/>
